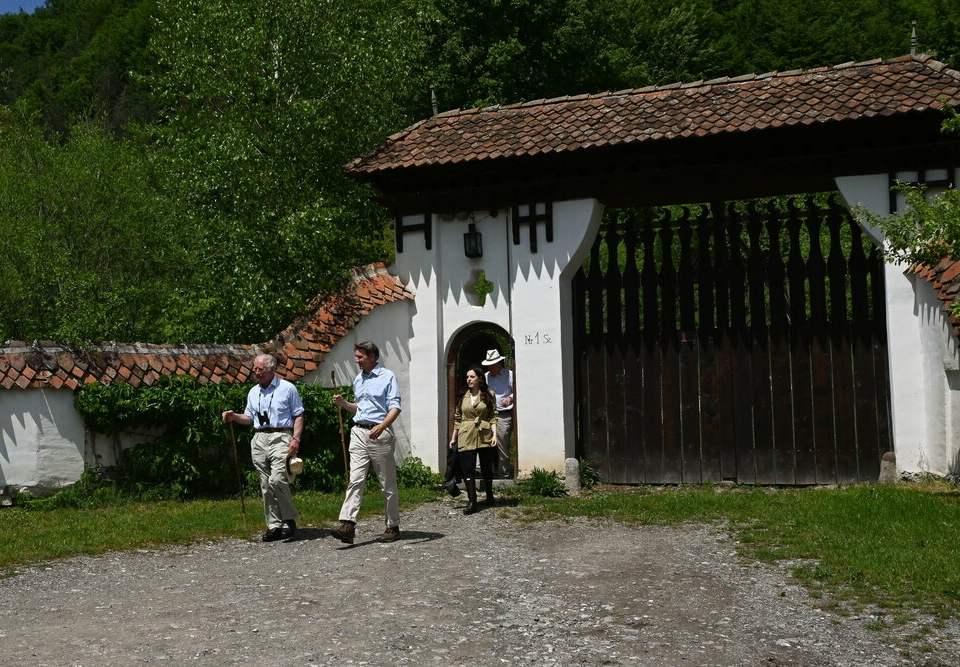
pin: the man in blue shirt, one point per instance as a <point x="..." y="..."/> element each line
<point x="377" y="395"/>
<point x="275" y="410"/>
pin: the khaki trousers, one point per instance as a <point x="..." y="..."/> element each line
<point x="504" y="431"/>
<point x="269" y="452"/>
<point x="378" y="453"/>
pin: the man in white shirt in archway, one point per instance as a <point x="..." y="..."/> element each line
<point x="500" y="381"/>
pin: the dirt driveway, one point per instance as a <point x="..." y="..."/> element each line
<point x="455" y="590"/>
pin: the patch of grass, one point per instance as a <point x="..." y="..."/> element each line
<point x="890" y="546"/>
<point x="543" y="483"/>
<point x="32" y="535"/>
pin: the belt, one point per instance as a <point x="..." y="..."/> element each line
<point x="364" y="426"/>
<point x="275" y="430"/>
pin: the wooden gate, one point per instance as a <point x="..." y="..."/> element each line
<point x="739" y="341"/>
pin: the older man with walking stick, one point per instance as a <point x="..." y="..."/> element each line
<point x="275" y="410"/>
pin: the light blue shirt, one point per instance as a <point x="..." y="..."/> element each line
<point x="376" y="393"/>
<point x="501" y="384"/>
<point x="280" y="400"/>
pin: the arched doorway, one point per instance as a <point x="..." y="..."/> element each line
<point x="469" y="346"/>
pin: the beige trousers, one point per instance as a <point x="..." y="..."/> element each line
<point x="378" y="453"/>
<point x="269" y="452"/>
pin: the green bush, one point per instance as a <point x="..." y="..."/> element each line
<point x="193" y="457"/>
<point x="542" y="483"/>
<point x="412" y="473"/>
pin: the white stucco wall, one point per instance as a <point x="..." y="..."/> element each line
<point x="388" y="326"/>
<point x="923" y="355"/>
<point x="41" y="439"/>
<point x="531" y="301"/>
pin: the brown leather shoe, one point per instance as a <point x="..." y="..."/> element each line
<point x="345" y="532"/>
<point x="390" y="534"/>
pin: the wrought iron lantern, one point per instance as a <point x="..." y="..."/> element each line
<point x="472" y="242"/>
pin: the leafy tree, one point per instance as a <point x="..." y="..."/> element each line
<point x="88" y="251"/>
<point x="501" y="51"/>
<point x="73" y="58"/>
<point x="262" y="102"/>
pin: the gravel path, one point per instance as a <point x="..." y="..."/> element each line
<point x="455" y="590"/>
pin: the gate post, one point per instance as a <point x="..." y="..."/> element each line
<point x="542" y="328"/>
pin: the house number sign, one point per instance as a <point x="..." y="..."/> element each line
<point x="537" y="338"/>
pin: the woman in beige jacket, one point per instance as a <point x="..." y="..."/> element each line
<point x="475" y="435"/>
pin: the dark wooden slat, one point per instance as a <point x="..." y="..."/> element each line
<point x="652" y="408"/>
<point x="742" y="412"/>
<point x="816" y="267"/>
<point x="784" y="459"/>
<point x="726" y="376"/>
<point x="612" y="282"/>
<point x="845" y="417"/>
<point x="635" y="446"/>
<point x="737" y="272"/>
<point x="593" y="289"/>
<point x="669" y="381"/>
<point x="804" y="433"/>
<point x="845" y="431"/>
<point x="649" y="280"/>
<point x="706" y="276"/>
<point x="597" y="424"/>
<point x="823" y="417"/>
<point x="579" y="344"/>
<point x="688" y="353"/>
<point x="711" y="440"/>
<point x="671" y="409"/>
<point x="868" y="413"/>
<point x="686" y="287"/>
<point x="761" y="400"/>
<point x="721" y="262"/>
<point x="781" y="384"/>
<point x="631" y="279"/>
<point x="619" y="437"/>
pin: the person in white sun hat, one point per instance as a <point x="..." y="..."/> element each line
<point x="500" y="381"/>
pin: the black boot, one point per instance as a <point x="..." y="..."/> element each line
<point x="488" y="487"/>
<point x="471" y="485"/>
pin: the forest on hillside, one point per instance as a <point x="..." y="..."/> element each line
<point x="171" y="170"/>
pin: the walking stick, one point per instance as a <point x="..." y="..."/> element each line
<point x="236" y="464"/>
<point x="343" y="441"/>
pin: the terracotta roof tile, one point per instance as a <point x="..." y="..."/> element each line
<point x="300" y="348"/>
<point x="945" y="280"/>
<point x="729" y="104"/>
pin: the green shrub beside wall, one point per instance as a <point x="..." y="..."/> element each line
<point x="193" y="457"/>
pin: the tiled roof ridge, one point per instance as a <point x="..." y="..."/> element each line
<point x="944" y="277"/>
<point x="928" y="60"/>
<point x="878" y="88"/>
<point x="300" y="348"/>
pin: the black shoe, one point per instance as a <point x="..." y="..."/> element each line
<point x="288" y="529"/>
<point x="272" y="535"/>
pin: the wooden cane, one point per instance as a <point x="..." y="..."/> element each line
<point x="236" y="464"/>
<point x="343" y="440"/>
